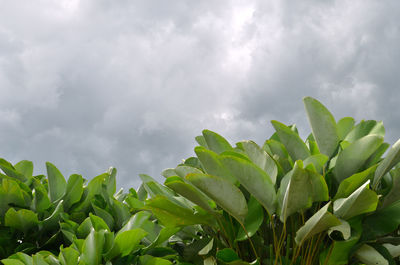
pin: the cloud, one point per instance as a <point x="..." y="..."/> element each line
<point x="90" y="84"/>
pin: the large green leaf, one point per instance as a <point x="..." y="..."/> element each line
<point x="224" y="193"/>
<point x="253" y="221"/>
<point x="172" y="215"/>
<point x="254" y="179"/>
<point x="344" y="126"/>
<point x="391" y="159"/>
<point x="216" y="142"/>
<point x="353" y="157"/>
<point x="22" y="220"/>
<point x="73" y="191"/>
<point x="126" y="242"/>
<point x="317" y="160"/>
<point x="92" y="248"/>
<point x="279" y="153"/>
<point x="25" y="167"/>
<point x="370" y="256"/>
<point x="41" y="201"/>
<point x="299" y="188"/>
<point x="365" y="128"/>
<point x="12" y="262"/>
<point x="319" y="222"/>
<point x="296" y="148"/>
<point x="212" y="164"/>
<point x="323" y="126"/>
<point x="52" y="221"/>
<point x="57" y="183"/>
<point x="68" y="256"/>
<point x="10" y="171"/>
<point x="261" y="158"/>
<point x="136" y="221"/>
<point x="362" y="200"/>
<point x="350" y="184"/>
<point x="190" y="192"/>
<point x="382" y="222"/>
<point x="393" y="194"/>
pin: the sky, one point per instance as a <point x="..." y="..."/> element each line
<point x="88" y="84"/>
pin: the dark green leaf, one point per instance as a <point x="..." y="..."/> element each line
<point x="57" y="183"/>
<point x="253" y="220"/>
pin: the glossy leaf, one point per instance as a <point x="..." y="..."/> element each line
<point x="319" y="222"/>
<point x="370" y="256"/>
<point x="352" y="158"/>
<point x="391" y="159"/>
<point x="12" y="262"/>
<point x="22" y="220"/>
<point x="296" y="148"/>
<point x="73" y="191"/>
<point x="25" y="167"/>
<point x="216" y="142"/>
<point x="362" y="200"/>
<point x="126" y="242"/>
<point x="323" y="126"/>
<point x="68" y="256"/>
<point x="224" y="193"/>
<point x="254" y="179"/>
<point x="136" y="221"/>
<point x="92" y="248"/>
<point x="253" y="220"/>
<point x="57" y="183"/>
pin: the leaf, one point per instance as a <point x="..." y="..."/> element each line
<point x="365" y="128"/>
<point x="253" y="220"/>
<point x="344" y="126"/>
<point x="299" y="188"/>
<point x="393" y="194"/>
<point x="57" y="183"/>
<point x="126" y="242"/>
<point x="10" y="171"/>
<point x="319" y="222"/>
<point x="216" y="142"/>
<point x="136" y="221"/>
<point x="190" y="192"/>
<point x="22" y="220"/>
<point x="323" y="126"/>
<point x="73" y="191"/>
<point x="173" y="215"/>
<point x="111" y="181"/>
<point x="393" y="250"/>
<point x="98" y="223"/>
<point x="362" y="200"/>
<point x="391" y="159"/>
<point x="382" y="222"/>
<point x="227" y="255"/>
<point x="343" y="228"/>
<point x="201" y="141"/>
<point x="370" y="256"/>
<point x="164" y="235"/>
<point x="52" y="221"/>
<point x="68" y="256"/>
<point x="106" y="216"/>
<point x="255" y="180"/>
<point x="149" y="260"/>
<point x="350" y="184"/>
<point x="296" y="148"/>
<point x="25" y="167"/>
<point x="182" y="171"/>
<point x="10" y="192"/>
<point x="352" y="158"/>
<point x="92" y="248"/>
<point x="212" y="165"/>
<point x="12" y="262"/>
<point x="318" y="161"/>
<point x="41" y="201"/>
<point x="225" y="194"/>
<point x="260" y="158"/>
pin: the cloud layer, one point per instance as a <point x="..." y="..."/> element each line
<point x="89" y="84"/>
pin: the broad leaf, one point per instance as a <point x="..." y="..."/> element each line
<point x="126" y="242"/>
<point x="296" y="148"/>
<point x="391" y="159"/>
<point x="362" y="200"/>
<point x="318" y="161"/>
<point x="353" y="157"/>
<point x="344" y="126"/>
<point x="10" y="171"/>
<point x="224" y="193"/>
<point x="319" y="222"/>
<point x="25" y="167"/>
<point x="216" y="142"/>
<point x="22" y="220"/>
<point x="74" y="190"/>
<point x="57" y="183"/>
<point x="68" y="256"/>
<point x="394" y="194"/>
<point x="365" y="128"/>
<point x="370" y="256"/>
<point x="255" y="180"/>
<point x="253" y="220"/>
<point x="92" y="248"/>
<point x="323" y="126"/>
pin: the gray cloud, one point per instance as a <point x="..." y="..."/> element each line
<point x="89" y="84"/>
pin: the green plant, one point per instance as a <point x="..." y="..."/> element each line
<point x="332" y="199"/>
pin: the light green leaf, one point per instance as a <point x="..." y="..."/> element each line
<point x="111" y="181"/>
<point x="254" y="179"/>
<point x="190" y="192"/>
<point x="343" y="228"/>
<point x="365" y="128"/>
<point x="12" y="262"/>
<point x="260" y="158"/>
<point x="126" y="242"/>
<point x="370" y="256"/>
<point x="10" y="171"/>
<point x="98" y="223"/>
<point x="41" y="201"/>
<point x="350" y="184"/>
<point x="25" y="167"/>
<point x="22" y="220"/>
<point x="296" y="148"/>
<point x="352" y="158"/>
<point x="92" y="248"/>
<point x="362" y="200"/>
<point x="394" y="194"/>
<point x="173" y="215"/>
<point x="216" y="142"/>
<point x="319" y="222"/>
<point x="391" y="159"/>
<point x="182" y="171"/>
<point x="318" y="161"/>
<point x="57" y="183"/>
<point x="10" y="192"/>
<point x="253" y="220"/>
<point x="393" y="250"/>
<point x="136" y="221"/>
<point x="225" y="194"/>
<point x="344" y="126"/>
<point x="201" y="141"/>
<point x="212" y="165"/>
<point x="74" y="190"/>
<point x="68" y="256"/>
<point x="105" y="215"/>
<point x="52" y="221"/>
<point x="323" y="126"/>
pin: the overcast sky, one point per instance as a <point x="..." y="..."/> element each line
<point x="96" y="83"/>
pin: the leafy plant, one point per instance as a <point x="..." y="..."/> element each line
<point x="331" y="199"/>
